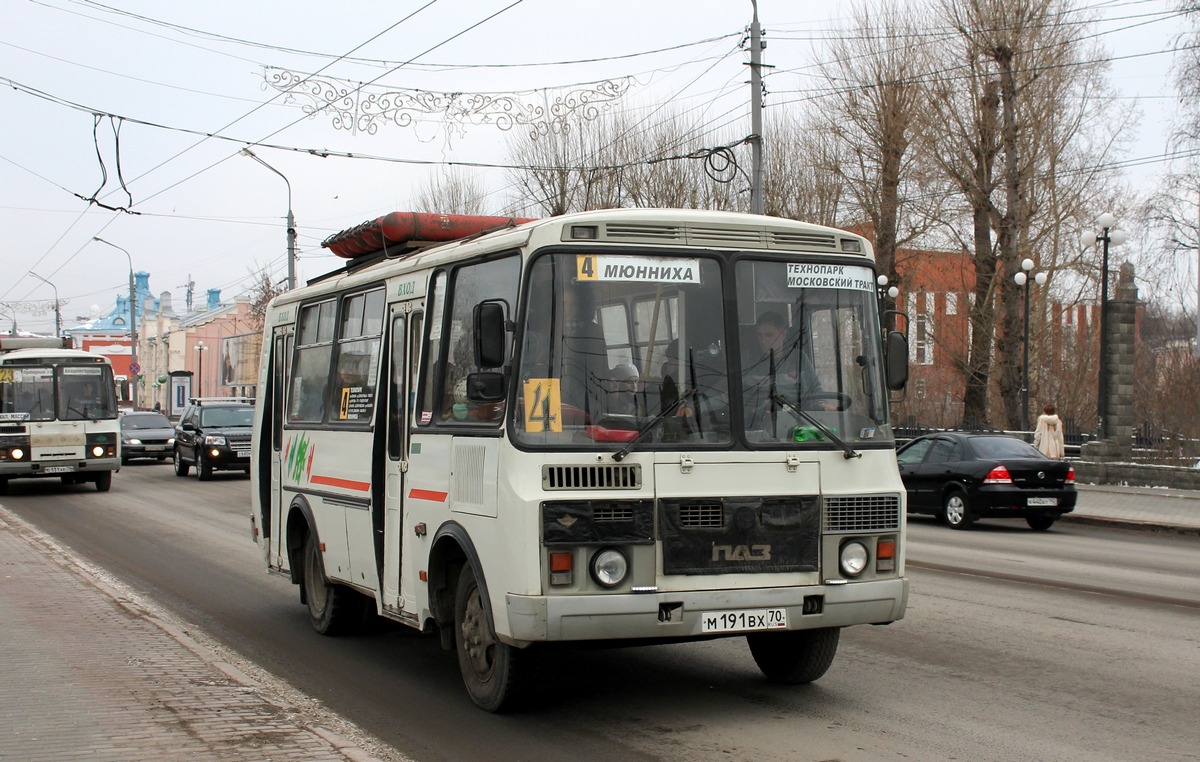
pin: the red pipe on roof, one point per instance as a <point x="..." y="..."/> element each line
<point x="402" y="229"/>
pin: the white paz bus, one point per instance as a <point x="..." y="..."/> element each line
<point x="58" y="414"/>
<point x="628" y="425"/>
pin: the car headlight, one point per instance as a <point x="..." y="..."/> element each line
<point x="171" y="441"/>
<point x="133" y="441"/>
<point x="609" y="567"/>
<point x="853" y="558"/>
<point x="213" y="439"/>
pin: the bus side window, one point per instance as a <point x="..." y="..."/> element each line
<point x="473" y="284"/>
<point x="314" y="354"/>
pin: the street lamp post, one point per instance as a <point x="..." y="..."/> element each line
<point x="133" y="337"/>
<point x="291" y="221"/>
<point x="57" y="310"/>
<point x="1022" y="279"/>
<point x="200" y="350"/>
<point x="1109" y="235"/>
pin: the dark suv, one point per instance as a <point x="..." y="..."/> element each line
<point x="213" y="436"/>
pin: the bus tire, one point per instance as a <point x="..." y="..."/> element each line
<point x="332" y="609"/>
<point x="491" y="670"/>
<point x="796" y="657"/>
<point x="181" y="468"/>
<point x="3" y="485"/>
<point x="203" y="468"/>
<point x="104" y="481"/>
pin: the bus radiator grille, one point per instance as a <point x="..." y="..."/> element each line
<point x="601" y="476"/>
<point x="862" y="513"/>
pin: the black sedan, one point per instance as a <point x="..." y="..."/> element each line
<point x="961" y="477"/>
<point x="146" y="435"/>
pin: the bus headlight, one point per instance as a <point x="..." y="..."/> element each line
<point x="97" y="451"/>
<point x="17" y="453"/>
<point x="609" y="567"/>
<point x="853" y="558"/>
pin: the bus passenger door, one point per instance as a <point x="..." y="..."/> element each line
<point x="281" y="355"/>
<point x="404" y="343"/>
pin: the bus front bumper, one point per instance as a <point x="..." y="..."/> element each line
<point x="75" y="466"/>
<point x="679" y="615"/>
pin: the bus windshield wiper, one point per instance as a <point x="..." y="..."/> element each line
<point x="619" y="455"/>
<point x="847" y="449"/>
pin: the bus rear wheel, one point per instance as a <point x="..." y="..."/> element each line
<point x="796" y="657"/>
<point x="104" y="481"/>
<point x="332" y="609"/>
<point x="492" y="671"/>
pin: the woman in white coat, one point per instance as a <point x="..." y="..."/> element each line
<point x="1048" y="436"/>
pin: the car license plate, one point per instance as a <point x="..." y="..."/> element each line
<point x="242" y="453"/>
<point x="1042" y="501"/>
<point x="58" y="469"/>
<point x="153" y="448"/>
<point x="748" y="619"/>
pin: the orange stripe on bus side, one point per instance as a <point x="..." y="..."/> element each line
<point x="332" y="481"/>
<point x="428" y="494"/>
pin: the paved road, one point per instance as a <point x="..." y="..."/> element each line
<point x="1078" y="662"/>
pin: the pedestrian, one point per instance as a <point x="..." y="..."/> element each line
<point x="1048" y="436"/>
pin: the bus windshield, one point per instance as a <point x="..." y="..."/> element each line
<point x="27" y="393"/>
<point x="623" y="347"/>
<point x="57" y="392"/>
<point x="611" y="341"/>
<point x="810" y="352"/>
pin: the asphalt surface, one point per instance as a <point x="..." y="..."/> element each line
<point x="96" y="672"/>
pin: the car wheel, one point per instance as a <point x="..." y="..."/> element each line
<point x="796" y="657"/>
<point x="3" y="485"/>
<point x="494" y="672"/>
<point x="203" y="467"/>
<point x="104" y="481"/>
<point x="1040" y="523"/>
<point x="332" y="609"/>
<point x="956" y="512"/>
<point x="181" y="468"/>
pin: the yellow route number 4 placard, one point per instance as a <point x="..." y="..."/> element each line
<point x="543" y="405"/>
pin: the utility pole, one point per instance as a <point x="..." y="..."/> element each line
<point x="756" y="140"/>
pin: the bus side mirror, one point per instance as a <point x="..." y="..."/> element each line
<point x="897" y="360"/>
<point x="486" y="386"/>
<point x="488" y="324"/>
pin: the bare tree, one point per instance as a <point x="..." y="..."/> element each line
<point x="1011" y="122"/>
<point x="453" y="191"/>
<point x="876" y="76"/>
<point x="261" y="293"/>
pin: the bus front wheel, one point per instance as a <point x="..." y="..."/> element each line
<point x="491" y="670"/>
<point x="796" y="657"/>
<point x="332" y="609"/>
<point x="104" y="481"/>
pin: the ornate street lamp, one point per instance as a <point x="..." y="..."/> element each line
<point x="1022" y="279"/>
<point x="1108" y="235"/>
<point x="200" y="350"/>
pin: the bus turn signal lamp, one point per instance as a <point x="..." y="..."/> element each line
<point x="562" y="568"/>
<point x="885" y="554"/>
